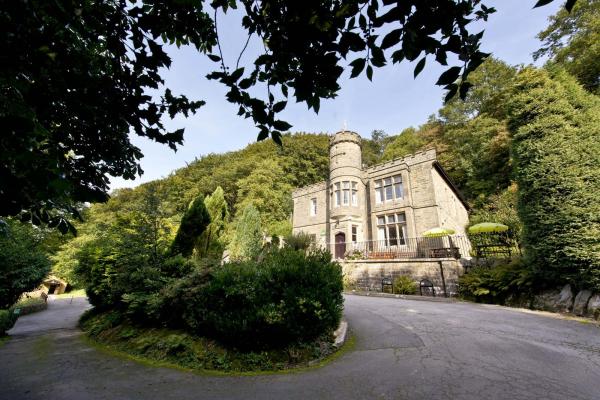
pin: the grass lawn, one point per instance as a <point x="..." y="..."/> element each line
<point x="179" y="349"/>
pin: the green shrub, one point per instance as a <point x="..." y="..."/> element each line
<point x="288" y="297"/>
<point x="405" y="285"/>
<point x="7" y="320"/>
<point x="496" y="284"/>
<point x="23" y="264"/>
<point x="299" y="241"/>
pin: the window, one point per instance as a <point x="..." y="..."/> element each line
<point x="354" y="194"/>
<point x="354" y="233"/>
<point x="313" y="206"/>
<point x="389" y="189"/>
<point x="378" y="192"/>
<point x="344" y="194"/>
<point x="398" y="189"/>
<point x="391" y="229"/>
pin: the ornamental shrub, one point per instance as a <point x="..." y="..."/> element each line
<point x="290" y="296"/>
<point x="405" y="285"/>
<point x="497" y="284"/>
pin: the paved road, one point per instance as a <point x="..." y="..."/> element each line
<point x="405" y="350"/>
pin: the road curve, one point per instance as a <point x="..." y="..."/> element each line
<point x="404" y="350"/>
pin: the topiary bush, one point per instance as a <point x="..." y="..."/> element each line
<point x="289" y="297"/>
<point x="405" y="285"/>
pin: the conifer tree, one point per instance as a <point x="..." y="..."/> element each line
<point x="193" y="224"/>
<point x="247" y="238"/>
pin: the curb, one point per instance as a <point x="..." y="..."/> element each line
<point x="340" y="334"/>
<point x="406" y="297"/>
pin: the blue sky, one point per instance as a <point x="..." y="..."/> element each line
<point x="392" y="102"/>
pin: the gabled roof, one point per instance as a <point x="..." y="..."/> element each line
<point x="438" y="167"/>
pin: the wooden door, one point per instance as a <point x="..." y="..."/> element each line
<point x="340" y="245"/>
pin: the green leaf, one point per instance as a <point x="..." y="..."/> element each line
<point x="276" y="135"/>
<point x="214" y="57"/>
<point x="569" y="4"/>
<point x="357" y="67"/>
<point x="452" y="89"/>
<point x="449" y="76"/>
<point x="391" y="39"/>
<point x="279" y="106"/>
<point x="237" y="74"/>
<point x="263" y="135"/>
<point x="369" y="72"/>
<point x="541" y="3"/>
<point x="281" y="125"/>
<point x="420" y="66"/>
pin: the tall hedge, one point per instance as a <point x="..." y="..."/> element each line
<point x="555" y="125"/>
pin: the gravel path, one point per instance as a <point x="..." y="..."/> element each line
<point x="404" y="350"/>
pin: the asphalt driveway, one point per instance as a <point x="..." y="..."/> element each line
<point x="404" y="350"/>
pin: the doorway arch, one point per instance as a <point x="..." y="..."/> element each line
<point x="340" y="245"/>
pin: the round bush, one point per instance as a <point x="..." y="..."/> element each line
<point x="290" y="296"/>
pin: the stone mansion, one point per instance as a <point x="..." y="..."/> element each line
<point x="388" y="203"/>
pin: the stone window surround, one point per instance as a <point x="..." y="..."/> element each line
<point x="392" y="226"/>
<point x="389" y="188"/>
<point x="344" y="193"/>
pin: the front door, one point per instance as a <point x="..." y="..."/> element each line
<point x="340" y="245"/>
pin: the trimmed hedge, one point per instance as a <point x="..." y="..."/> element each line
<point x="288" y="297"/>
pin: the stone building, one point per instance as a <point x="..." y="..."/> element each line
<point x="387" y="205"/>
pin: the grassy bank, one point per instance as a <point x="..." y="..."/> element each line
<point x="179" y="349"/>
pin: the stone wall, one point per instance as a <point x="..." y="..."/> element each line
<point x="367" y="274"/>
<point x="564" y="300"/>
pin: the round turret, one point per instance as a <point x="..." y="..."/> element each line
<point x="345" y="174"/>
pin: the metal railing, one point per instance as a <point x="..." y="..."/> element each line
<point x="404" y="248"/>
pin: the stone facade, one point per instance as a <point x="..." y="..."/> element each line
<point x="356" y="204"/>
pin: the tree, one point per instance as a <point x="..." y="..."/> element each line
<point x="193" y="224"/>
<point x="571" y="41"/>
<point x="556" y="135"/>
<point x="23" y="264"/>
<point x="75" y="80"/>
<point x="246" y="241"/>
<point x="407" y="142"/>
<point x="211" y="239"/>
<point x="77" y="77"/>
<point x="267" y="190"/>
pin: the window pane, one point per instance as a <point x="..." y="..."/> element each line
<point x="388" y="181"/>
<point x="391" y="219"/>
<point x="377" y="184"/>
<point x="393" y="235"/>
<point x="337" y="185"/>
<point x="398" y="179"/>
<point x="402" y="217"/>
<point x="381" y="233"/>
<point x="337" y="197"/>
<point x="354" y="198"/>
<point x="401" y="234"/>
<point x="346" y="184"/>
<point x="353" y="185"/>
<point x="389" y="194"/>
<point x="380" y="220"/>
<point x="378" y="195"/>
<point x="398" y="190"/>
<point x="346" y="197"/>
